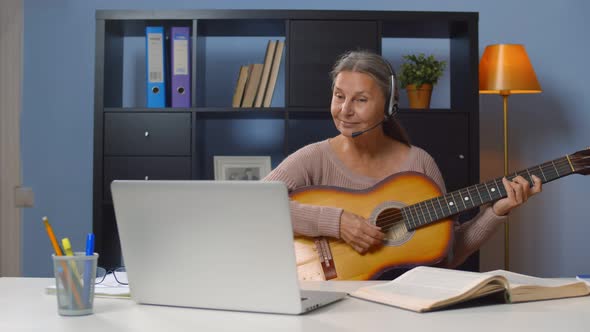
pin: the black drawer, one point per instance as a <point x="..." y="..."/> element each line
<point x="142" y="134"/>
<point x="445" y="136"/>
<point x="144" y="168"/>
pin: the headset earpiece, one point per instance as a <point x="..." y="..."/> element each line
<point x="392" y="106"/>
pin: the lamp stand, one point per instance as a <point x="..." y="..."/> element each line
<point x="505" y="69"/>
<point x="506" y="225"/>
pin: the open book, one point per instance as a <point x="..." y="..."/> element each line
<point x="429" y="288"/>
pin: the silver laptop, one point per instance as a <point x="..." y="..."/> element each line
<point x="211" y="244"/>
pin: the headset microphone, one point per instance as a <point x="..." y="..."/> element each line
<point x="358" y="133"/>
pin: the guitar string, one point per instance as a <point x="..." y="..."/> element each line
<point x="395" y="217"/>
<point x="392" y="219"/>
<point x="563" y="163"/>
<point x="436" y="209"/>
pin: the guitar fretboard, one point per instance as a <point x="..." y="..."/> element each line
<point x="455" y="202"/>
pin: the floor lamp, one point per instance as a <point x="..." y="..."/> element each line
<point x="505" y="69"/>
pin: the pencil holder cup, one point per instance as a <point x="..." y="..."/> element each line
<point x="74" y="283"/>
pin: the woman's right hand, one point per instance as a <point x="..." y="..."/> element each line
<point x="358" y="233"/>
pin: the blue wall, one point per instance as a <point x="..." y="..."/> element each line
<point x="548" y="235"/>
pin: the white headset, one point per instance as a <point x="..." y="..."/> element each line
<point x="392" y="106"/>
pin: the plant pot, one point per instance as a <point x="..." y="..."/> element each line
<point x="419" y="98"/>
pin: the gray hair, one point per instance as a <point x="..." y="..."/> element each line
<point x="380" y="70"/>
<point x="368" y="63"/>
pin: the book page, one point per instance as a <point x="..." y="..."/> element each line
<point x="528" y="288"/>
<point x="517" y="279"/>
<point x="111" y="288"/>
<point x="424" y="288"/>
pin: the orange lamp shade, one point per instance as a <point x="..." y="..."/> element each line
<point x="505" y="69"/>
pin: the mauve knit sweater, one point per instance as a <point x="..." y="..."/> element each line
<point x="317" y="164"/>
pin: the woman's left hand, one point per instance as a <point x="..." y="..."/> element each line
<point x="518" y="190"/>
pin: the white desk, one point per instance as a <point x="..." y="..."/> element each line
<point x="24" y="306"/>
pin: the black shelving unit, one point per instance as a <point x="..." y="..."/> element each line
<point x="134" y="142"/>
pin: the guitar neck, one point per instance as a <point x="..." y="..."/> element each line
<point x="455" y="202"/>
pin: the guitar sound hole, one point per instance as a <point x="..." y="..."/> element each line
<point x="392" y="224"/>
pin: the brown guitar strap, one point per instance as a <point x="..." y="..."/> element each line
<point x="326" y="258"/>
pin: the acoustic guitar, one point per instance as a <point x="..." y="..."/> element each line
<point x="412" y="212"/>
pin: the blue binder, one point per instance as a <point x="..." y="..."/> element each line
<point x="155" y="67"/>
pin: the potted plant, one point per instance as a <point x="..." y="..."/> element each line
<point x="418" y="74"/>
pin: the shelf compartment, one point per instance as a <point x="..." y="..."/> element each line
<point x="218" y="65"/>
<point x="237" y="137"/>
<point x="393" y="50"/>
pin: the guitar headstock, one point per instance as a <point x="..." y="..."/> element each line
<point x="581" y="161"/>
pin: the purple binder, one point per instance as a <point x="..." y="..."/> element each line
<point x="180" y="67"/>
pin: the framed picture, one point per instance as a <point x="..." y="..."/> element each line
<point x="241" y="168"/>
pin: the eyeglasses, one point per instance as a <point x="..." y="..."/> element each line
<point x="119" y="275"/>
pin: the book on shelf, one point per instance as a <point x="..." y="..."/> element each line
<point x="268" y="57"/>
<point x="240" y="86"/>
<point x="252" y="84"/>
<point x="274" y="73"/>
<point x="425" y="288"/>
<point x="180" y="67"/>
